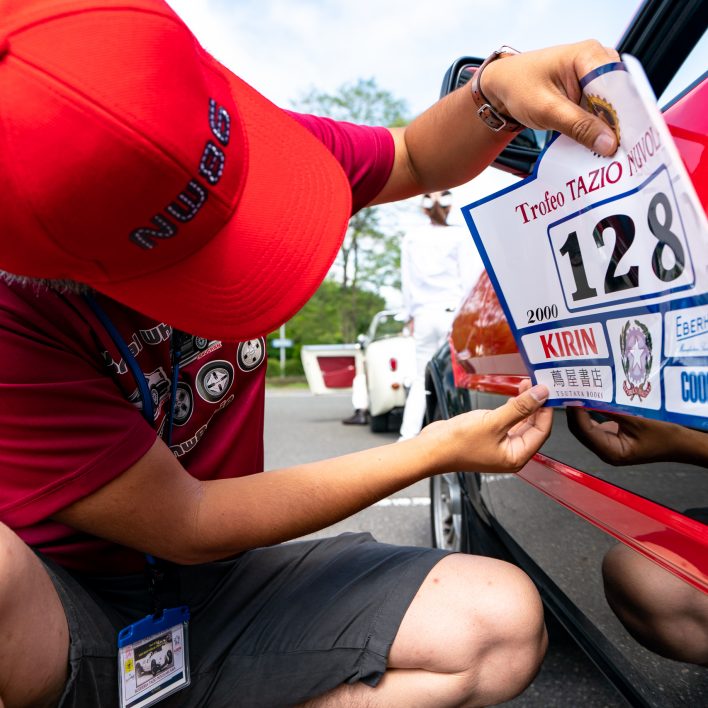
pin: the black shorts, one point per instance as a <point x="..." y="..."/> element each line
<point x="273" y="627"/>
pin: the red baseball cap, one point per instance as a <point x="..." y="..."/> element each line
<point x="137" y="164"/>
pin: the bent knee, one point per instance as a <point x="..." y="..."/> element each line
<point x="510" y="641"/>
<point x="34" y="640"/>
<point x="501" y="602"/>
<point x="518" y="610"/>
<point x="14" y="564"/>
<point x="518" y="638"/>
<point x="482" y="621"/>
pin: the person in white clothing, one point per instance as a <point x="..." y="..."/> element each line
<point x="360" y="396"/>
<point x="439" y="263"/>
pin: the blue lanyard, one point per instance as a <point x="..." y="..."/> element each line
<point x="155" y="574"/>
<point x="175" y="353"/>
<point x="148" y="409"/>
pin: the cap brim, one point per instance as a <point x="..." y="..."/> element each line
<point x="276" y="249"/>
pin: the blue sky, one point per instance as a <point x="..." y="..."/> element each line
<point x="284" y="47"/>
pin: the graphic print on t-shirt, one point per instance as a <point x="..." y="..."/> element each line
<point x="191" y="348"/>
<point x="214" y="380"/>
<point x="250" y="354"/>
<point x="159" y="386"/>
<point x="184" y="404"/>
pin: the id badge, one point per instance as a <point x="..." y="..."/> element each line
<point x="153" y="660"/>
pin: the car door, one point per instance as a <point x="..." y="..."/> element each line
<point x="619" y="552"/>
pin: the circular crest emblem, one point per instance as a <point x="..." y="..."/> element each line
<point x="250" y="354"/>
<point x="214" y="380"/>
<point x="604" y="109"/>
<point x="637" y="358"/>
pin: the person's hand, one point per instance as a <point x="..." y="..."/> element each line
<point x="499" y="440"/>
<point x="631" y="440"/>
<point x="541" y="90"/>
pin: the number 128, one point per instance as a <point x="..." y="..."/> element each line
<point x="660" y="228"/>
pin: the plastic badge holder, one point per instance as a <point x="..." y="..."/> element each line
<point x="153" y="659"/>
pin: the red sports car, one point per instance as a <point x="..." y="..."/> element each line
<point x="609" y="519"/>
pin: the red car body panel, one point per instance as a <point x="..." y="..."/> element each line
<point x="672" y="540"/>
<point x="687" y="120"/>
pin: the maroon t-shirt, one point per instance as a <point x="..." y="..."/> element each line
<point x="71" y="415"/>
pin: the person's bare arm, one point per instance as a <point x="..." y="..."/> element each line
<point x="448" y="144"/>
<point x="157" y="507"/>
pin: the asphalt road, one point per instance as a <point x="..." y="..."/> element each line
<point x="301" y="428"/>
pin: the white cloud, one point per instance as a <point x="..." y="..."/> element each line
<point x="283" y="47"/>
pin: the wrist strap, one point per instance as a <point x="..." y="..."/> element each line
<point x="494" y="120"/>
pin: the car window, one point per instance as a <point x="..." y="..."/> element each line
<point x="389" y="326"/>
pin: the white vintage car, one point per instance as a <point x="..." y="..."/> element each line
<point x="156" y="661"/>
<point x="389" y="364"/>
<point x="385" y="356"/>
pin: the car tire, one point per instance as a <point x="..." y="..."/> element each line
<point x="379" y="423"/>
<point x="454" y="522"/>
<point x="168" y="658"/>
<point x="153" y="667"/>
<point x="448" y="520"/>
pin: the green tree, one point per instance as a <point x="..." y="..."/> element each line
<point x="369" y="257"/>
<point x="320" y="322"/>
<point x="361" y="101"/>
